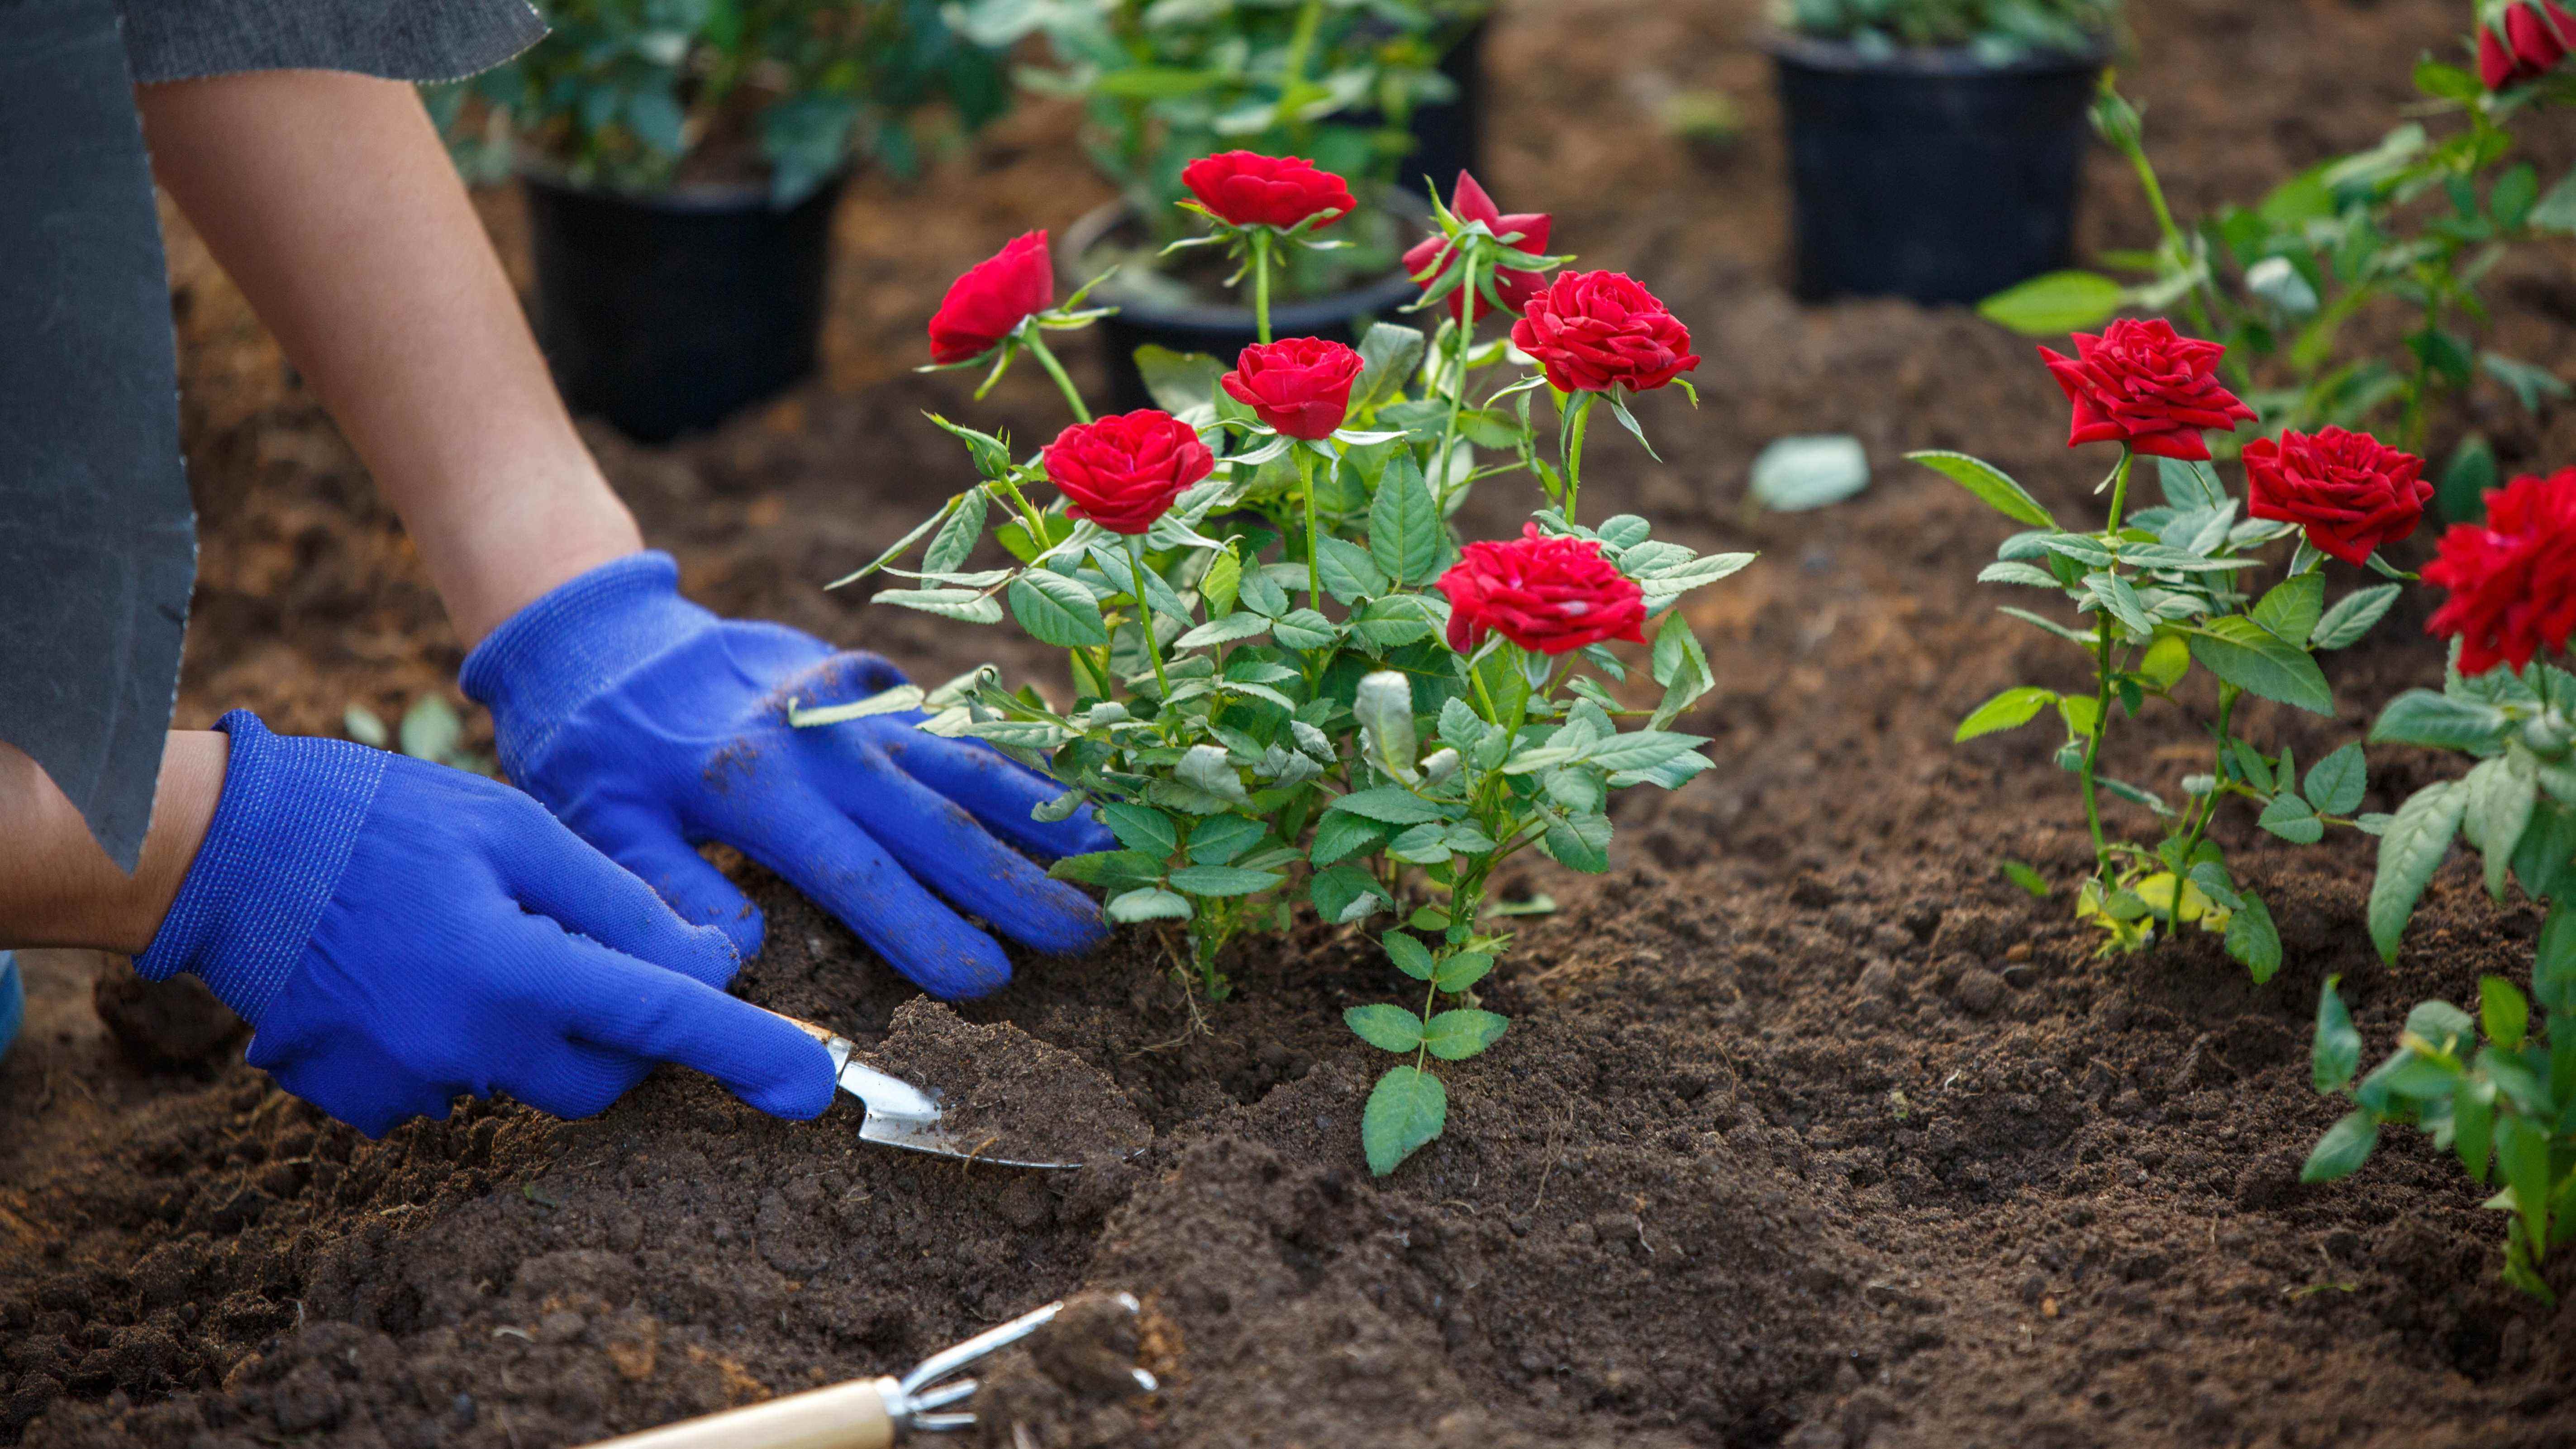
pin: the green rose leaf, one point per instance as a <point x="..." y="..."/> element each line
<point x="1463" y="970"/>
<point x="1405" y="528"/>
<point x="1348" y="571"/>
<point x="1409" y="955"/>
<point x="2009" y="710"/>
<point x="2335" y="783"/>
<point x="2423" y="717"/>
<point x="2055" y="302"/>
<point x="1407" y="1109"/>
<point x="2255" y="660"/>
<point x="1058" y="611"/>
<point x="1389" y="803"/>
<point x="1991" y="485"/>
<point x="1149" y="904"/>
<point x="1388" y="1028"/>
<point x="2252" y="938"/>
<point x="2293" y="608"/>
<point x="2343" y="1149"/>
<point x="2336" y="1053"/>
<point x="2408" y="855"/>
<point x="1461" y="1033"/>
<point x="2353" y="616"/>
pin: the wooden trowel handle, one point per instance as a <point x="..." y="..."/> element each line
<point x="844" y="1416"/>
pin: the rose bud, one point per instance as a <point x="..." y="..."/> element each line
<point x="2496" y="65"/>
<point x="2538" y="32"/>
<point x="2352" y="493"/>
<point x="2512" y="579"/>
<point x="1247" y="188"/>
<point x="2144" y="384"/>
<point x="1549" y="595"/>
<point x="1593" y="331"/>
<point x="995" y="296"/>
<point x="1430" y="256"/>
<point x="1123" y="471"/>
<point x="1298" y="385"/>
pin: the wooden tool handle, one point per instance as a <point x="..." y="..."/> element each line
<point x="844" y="1416"/>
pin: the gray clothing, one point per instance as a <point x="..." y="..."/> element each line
<point x="417" y="40"/>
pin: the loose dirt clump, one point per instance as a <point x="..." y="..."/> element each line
<point x="1006" y="1096"/>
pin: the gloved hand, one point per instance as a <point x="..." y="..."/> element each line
<point x="397" y="933"/>
<point x="649" y="725"/>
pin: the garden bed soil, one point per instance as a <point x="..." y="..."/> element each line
<point x="1808" y="1130"/>
<point x="1006" y="1095"/>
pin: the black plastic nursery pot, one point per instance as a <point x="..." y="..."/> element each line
<point x="1930" y="174"/>
<point x="1449" y="137"/>
<point x="666" y="313"/>
<point x="1221" y="331"/>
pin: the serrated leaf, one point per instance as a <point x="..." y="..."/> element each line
<point x="1389" y="353"/>
<point x="2473" y="1126"/>
<point x="1219" y="839"/>
<point x="2190" y="487"/>
<point x="1462" y="1032"/>
<point x="2500" y="795"/>
<point x="1388" y="1028"/>
<point x="1345" y="893"/>
<point x="1221" y="584"/>
<point x="1408" y="953"/>
<point x="2290" y="818"/>
<point x="2522" y="1159"/>
<point x="1580" y="842"/>
<point x="1141" y="828"/>
<point x="2008" y="572"/>
<point x="2335" y="783"/>
<point x="2413" y="848"/>
<point x="1303" y="629"/>
<point x="2423" y="717"/>
<point x="1227" y="630"/>
<point x="2055" y="302"/>
<point x="2293" y="607"/>
<point x="1347" y="570"/>
<point x="2504" y="1012"/>
<point x="1389" y="803"/>
<point x="1405" y="531"/>
<point x="1207" y="768"/>
<point x="2011" y="709"/>
<point x="1058" y="611"/>
<point x="2252" y="938"/>
<point x="964" y="605"/>
<point x="2115" y="594"/>
<point x="1406" y="1109"/>
<point x="957" y="537"/>
<point x="2343" y="1149"/>
<point x="1339" y="834"/>
<point x="1990" y="484"/>
<point x="1149" y="904"/>
<point x="1462" y="970"/>
<point x="2254" y="660"/>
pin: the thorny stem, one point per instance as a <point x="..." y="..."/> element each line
<point x="1314" y="538"/>
<point x="2102" y="633"/>
<point x="1578" y="416"/>
<point x="1261" y="284"/>
<point x="1145" y="614"/>
<point x="1055" y="369"/>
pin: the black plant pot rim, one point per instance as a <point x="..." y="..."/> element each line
<point x="1949" y="62"/>
<point x="688" y="198"/>
<point x="1287" y="319"/>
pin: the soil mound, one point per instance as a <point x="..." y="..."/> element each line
<point x="1005" y="1095"/>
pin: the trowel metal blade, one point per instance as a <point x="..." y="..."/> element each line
<point x="903" y="1115"/>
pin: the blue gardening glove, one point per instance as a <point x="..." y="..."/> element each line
<point x="398" y="933"/>
<point x="650" y="725"/>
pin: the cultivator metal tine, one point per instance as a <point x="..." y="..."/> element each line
<point x="925" y="1396"/>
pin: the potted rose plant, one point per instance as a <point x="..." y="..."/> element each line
<point x="1935" y="145"/>
<point x="681" y="159"/>
<point x="1384" y="95"/>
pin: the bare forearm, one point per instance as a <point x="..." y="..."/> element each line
<point x="57" y="888"/>
<point x="329" y="200"/>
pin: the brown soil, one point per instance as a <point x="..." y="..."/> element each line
<point x="1004" y="1095"/>
<point x="1809" y="1131"/>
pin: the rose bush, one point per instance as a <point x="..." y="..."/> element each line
<point x="2169" y="588"/>
<point x="2348" y="492"/>
<point x="1289" y="681"/>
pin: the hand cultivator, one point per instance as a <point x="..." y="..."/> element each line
<point x="863" y="1413"/>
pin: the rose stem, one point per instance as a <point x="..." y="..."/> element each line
<point x="1458" y="369"/>
<point x="2208" y="804"/>
<point x="1261" y="283"/>
<point x="1145" y="614"/>
<point x="1055" y="369"/>
<point x="1578" y="416"/>
<point x="2102" y="684"/>
<point x="1314" y="554"/>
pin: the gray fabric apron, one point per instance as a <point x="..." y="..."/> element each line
<point x="97" y="537"/>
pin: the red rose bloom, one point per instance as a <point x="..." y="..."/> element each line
<point x="1552" y="595"/>
<point x="2496" y="66"/>
<point x="2144" y="384"/>
<point x="1430" y="256"/>
<point x="1299" y="385"/>
<point x="2352" y="493"/>
<point x="1593" y="331"/>
<point x="2536" y="36"/>
<point x="994" y="296"/>
<point x="1247" y="188"/>
<point x="1123" y="471"/>
<point x="2512" y="579"/>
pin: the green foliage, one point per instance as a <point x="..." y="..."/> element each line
<point x="1264" y="703"/>
<point x="1998" y="30"/>
<point x="2404" y="232"/>
<point x="1164" y="82"/>
<point x="2497" y="1089"/>
<point x="2169" y="587"/>
<point x="633" y="95"/>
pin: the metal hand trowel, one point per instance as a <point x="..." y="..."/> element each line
<point x="899" y="1113"/>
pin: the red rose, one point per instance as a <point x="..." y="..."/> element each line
<point x="1552" y="595"/>
<point x="2539" y="33"/>
<point x="2496" y="65"/>
<point x="2512" y="579"/>
<point x="2144" y="384"/>
<point x="1299" y="385"/>
<point x="1593" y="331"/>
<point x="1123" y="471"/>
<point x="1247" y="188"/>
<point x="1430" y="257"/>
<point x="994" y="296"/>
<point x="2352" y="493"/>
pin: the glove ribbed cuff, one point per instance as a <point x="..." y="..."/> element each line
<point x="572" y="644"/>
<point x="289" y="814"/>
